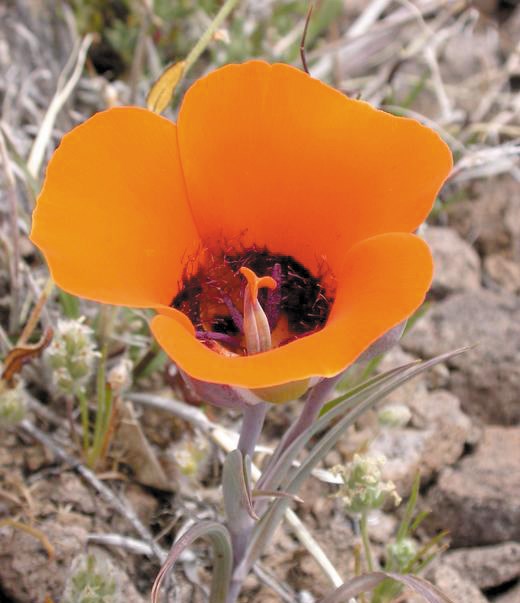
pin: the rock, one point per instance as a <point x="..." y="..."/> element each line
<point x="382" y="527"/>
<point x="142" y="502"/>
<point x="439" y="408"/>
<point x="436" y="439"/>
<point x="478" y="500"/>
<point x="28" y="574"/>
<point x="488" y="566"/>
<point x="436" y="378"/>
<point x="512" y="212"/>
<point x="503" y="272"/>
<point x="459" y="588"/>
<point x="485" y="378"/>
<point x="457" y="264"/>
<point x="495" y="9"/>
<point x="491" y="218"/>
<point x="512" y="595"/>
<point x="26" y="571"/>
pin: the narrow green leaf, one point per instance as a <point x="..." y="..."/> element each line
<point x="410" y="509"/>
<point x="421" y="516"/>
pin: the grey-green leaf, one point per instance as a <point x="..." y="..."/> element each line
<point x="220" y="540"/>
<point x="367" y="582"/>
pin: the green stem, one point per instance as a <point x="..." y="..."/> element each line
<point x="206" y="37"/>
<point x="101" y="397"/>
<point x="241" y="526"/>
<point x="83" y="408"/>
<point x="100" y="437"/>
<point x="363" y="527"/>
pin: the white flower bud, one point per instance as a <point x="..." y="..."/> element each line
<point x="191" y="454"/>
<point x="402" y="552"/>
<point x="394" y="415"/>
<point x="12" y="403"/>
<point x="71" y="356"/>
<point x="120" y="376"/>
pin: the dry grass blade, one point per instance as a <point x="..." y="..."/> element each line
<point x="62" y="94"/>
<point x="21" y="354"/>
<point x="163" y="89"/>
<point x="14" y="264"/>
<point x="34" y="317"/>
<point x="304" y="36"/>
<point x="34" y="532"/>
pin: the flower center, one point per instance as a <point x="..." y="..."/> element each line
<point x="247" y="302"/>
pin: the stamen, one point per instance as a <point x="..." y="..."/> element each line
<point x="273" y="305"/>
<point x="256" y="326"/>
<point x="234" y="313"/>
<point x="216" y="336"/>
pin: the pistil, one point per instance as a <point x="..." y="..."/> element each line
<point x="257" y="331"/>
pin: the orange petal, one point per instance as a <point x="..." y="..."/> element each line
<point x="383" y="281"/>
<point x="112" y="219"/>
<point x="294" y="164"/>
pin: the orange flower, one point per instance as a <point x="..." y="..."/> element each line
<point x="266" y="167"/>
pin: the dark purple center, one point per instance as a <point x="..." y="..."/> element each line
<point x="212" y="297"/>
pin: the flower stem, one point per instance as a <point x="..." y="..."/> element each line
<point x="311" y="409"/>
<point x="363" y="527"/>
<point x="101" y="405"/>
<point x="252" y="424"/>
<point x="310" y="412"/>
<point x="205" y="39"/>
<point x="83" y="407"/>
<point x="251" y="428"/>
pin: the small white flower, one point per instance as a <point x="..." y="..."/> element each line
<point x="363" y="487"/>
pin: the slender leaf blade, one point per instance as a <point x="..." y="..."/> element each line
<point x="220" y="539"/>
<point x="367" y="582"/>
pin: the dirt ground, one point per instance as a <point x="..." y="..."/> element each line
<point x="454" y="65"/>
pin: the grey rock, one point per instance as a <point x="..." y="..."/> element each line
<point x="436" y="439"/>
<point x="512" y="214"/>
<point x="459" y="588"/>
<point x="478" y="500"/>
<point x="512" y="595"/>
<point x="503" y="272"/>
<point x="490" y="218"/>
<point x="457" y="264"/>
<point x="487" y="566"/>
<point x="27" y="572"/>
<point x="487" y="377"/>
